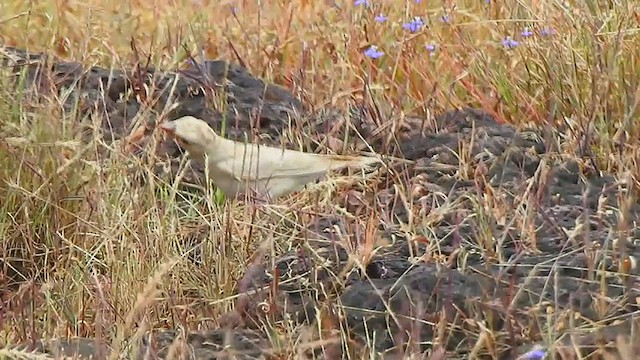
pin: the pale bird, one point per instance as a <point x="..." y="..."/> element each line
<point x="234" y="166"/>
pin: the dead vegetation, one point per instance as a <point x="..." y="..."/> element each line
<point x="479" y="241"/>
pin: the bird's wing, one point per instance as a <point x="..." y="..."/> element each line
<point x="273" y="162"/>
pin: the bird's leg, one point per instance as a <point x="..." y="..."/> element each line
<point x="241" y="196"/>
<point x="252" y="195"/>
<point x="259" y="198"/>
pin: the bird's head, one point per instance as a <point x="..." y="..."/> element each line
<point x="192" y="134"/>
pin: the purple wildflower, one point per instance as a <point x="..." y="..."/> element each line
<point x="373" y="52"/>
<point x="414" y="25"/>
<point x="509" y="43"/>
<point x="536" y="354"/>
<point x="381" y="18"/>
<point x="547" y="31"/>
<point x="361" y="3"/>
<point x="430" y="47"/>
<point x="446" y="18"/>
<point x="526" y="32"/>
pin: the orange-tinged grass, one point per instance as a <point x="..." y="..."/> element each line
<point x="281" y="40"/>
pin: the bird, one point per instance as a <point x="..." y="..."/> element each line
<point x="233" y="166"/>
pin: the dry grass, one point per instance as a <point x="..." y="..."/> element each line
<point x="104" y="258"/>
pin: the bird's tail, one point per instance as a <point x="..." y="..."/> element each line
<point x="369" y="160"/>
<point x="342" y="161"/>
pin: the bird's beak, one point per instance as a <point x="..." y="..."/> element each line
<point x="169" y="128"/>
